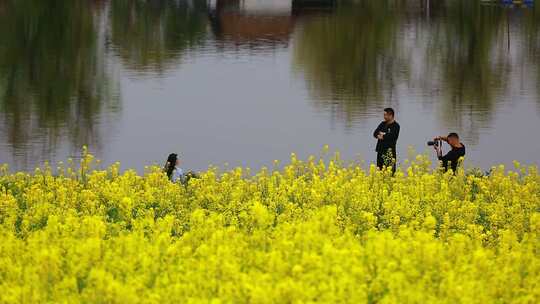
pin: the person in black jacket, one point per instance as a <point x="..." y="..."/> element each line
<point x="453" y="157"/>
<point x="387" y="134"/>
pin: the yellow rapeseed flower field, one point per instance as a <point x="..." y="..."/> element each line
<point x="312" y="231"/>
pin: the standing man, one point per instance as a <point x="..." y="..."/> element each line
<point x="387" y="134"/>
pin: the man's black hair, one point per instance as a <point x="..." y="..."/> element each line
<point x="453" y="134"/>
<point x="389" y="111"/>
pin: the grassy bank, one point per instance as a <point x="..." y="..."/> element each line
<point x="313" y="231"/>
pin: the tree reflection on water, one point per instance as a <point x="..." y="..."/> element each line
<point x="54" y="81"/>
<point x="351" y="58"/>
<point x="151" y="36"/>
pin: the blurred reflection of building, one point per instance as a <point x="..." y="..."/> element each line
<point x="252" y="23"/>
<point x="98" y="4"/>
<point x="509" y="3"/>
<point x="260" y="23"/>
<point x="312" y="7"/>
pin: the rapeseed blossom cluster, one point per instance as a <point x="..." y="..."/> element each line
<point x="312" y="231"/>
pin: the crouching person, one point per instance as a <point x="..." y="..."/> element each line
<point x="175" y="173"/>
<point x="454" y="156"/>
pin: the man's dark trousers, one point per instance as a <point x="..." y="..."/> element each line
<point x="387" y="159"/>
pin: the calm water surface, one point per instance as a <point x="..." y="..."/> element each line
<point x="247" y="82"/>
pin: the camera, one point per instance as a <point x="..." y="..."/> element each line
<point x="435" y="143"/>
